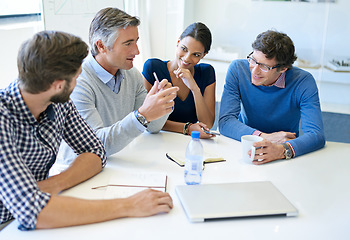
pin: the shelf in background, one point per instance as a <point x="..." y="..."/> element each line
<point x="339" y="65"/>
<point x="333" y="86"/>
<point x="326" y="75"/>
<point x="335" y="108"/>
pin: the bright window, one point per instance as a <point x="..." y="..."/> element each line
<point x="19" y="7"/>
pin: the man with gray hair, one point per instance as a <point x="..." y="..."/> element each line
<point x="110" y="93"/>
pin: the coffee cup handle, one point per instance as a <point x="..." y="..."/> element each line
<point x="252" y="153"/>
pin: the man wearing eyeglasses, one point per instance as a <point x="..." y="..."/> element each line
<point x="265" y="95"/>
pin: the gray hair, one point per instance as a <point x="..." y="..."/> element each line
<point x="105" y="27"/>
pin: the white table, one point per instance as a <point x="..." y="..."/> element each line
<point x="316" y="183"/>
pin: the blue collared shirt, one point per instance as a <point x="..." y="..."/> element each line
<point x="28" y="149"/>
<point x="113" y="82"/>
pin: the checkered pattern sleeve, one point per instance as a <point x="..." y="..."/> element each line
<point x="80" y="136"/>
<point x="20" y="196"/>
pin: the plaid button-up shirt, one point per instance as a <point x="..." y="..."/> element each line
<point x="28" y="149"/>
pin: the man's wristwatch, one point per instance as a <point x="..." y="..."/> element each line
<point x="141" y="118"/>
<point x="288" y="153"/>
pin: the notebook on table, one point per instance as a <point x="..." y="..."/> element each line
<point x="179" y="158"/>
<point x="124" y="184"/>
<point x="232" y="200"/>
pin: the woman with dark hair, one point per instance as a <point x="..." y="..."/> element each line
<point x="195" y="102"/>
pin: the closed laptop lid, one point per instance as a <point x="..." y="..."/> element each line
<point x="229" y="200"/>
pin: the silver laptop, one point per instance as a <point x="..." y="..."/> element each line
<point x="231" y="200"/>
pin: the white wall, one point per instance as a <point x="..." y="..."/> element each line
<point x="12" y="36"/>
<point x="234" y="25"/>
<point x="320" y="32"/>
<point x="165" y="18"/>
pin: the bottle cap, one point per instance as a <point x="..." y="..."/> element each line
<point x="195" y="134"/>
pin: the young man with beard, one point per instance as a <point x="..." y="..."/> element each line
<point x="35" y="115"/>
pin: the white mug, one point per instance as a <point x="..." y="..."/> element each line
<point x="247" y="144"/>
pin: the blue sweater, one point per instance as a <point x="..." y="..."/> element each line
<point x="246" y="107"/>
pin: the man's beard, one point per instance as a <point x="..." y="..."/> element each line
<point x="62" y="97"/>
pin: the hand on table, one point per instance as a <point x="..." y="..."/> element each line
<point x="149" y="202"/>
<point x="267" y="151"/>
<point x="278" y="137"/>
<point x="199" y="127"/>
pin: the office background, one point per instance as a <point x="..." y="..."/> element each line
<point x="318" y="29"/>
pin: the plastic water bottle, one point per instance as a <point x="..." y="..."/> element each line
<point x="194" y="160"/>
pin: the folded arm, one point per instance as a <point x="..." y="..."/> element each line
<point x="230" y="107"/>
<point x="179" y="128"/>
<point x="313" y="137"/>
<point x="85" y="166"/>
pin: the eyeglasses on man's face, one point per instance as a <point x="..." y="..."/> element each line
<point x="263" y="67"/>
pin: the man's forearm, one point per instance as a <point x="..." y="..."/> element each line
<point x="64" y="211"/>
<point x="157" y="125"/>
<point x="278" y="137"/>
<point x="85" y="166"/>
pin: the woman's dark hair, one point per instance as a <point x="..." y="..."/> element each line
<point x="276" y="45"/>
<point x="200" y="32"/>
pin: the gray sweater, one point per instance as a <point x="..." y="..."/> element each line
<point x="108" y="113"/>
